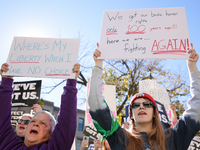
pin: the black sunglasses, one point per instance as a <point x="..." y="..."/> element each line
<point x="136" y="105"/>
<point x="25" y="121"/>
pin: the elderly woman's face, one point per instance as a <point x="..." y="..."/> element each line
<point x="38" y="130"/>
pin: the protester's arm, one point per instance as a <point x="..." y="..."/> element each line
<point x="7" y="135"/>
<point x="64" y="133"/>
<point x="174" y="118"/>
<point x="98" y="109"/>
<point x="102" y="117"/>
<point x="174" y="112"/>
<point x="189" y="124"/>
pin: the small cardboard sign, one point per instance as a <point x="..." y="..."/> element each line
<point x="43" y="57"/>
<point x="145" y="33"/>
<point x="91" y="132"/>
<point x="26" y="93"/>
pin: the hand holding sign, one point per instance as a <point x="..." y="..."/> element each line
<point x="4" y="68"/>
<point x="97" y="53"/>
<point x="76" y="70"/>
<point x="191" y="62"/>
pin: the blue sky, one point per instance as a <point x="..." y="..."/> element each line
<point x="65" y="19"/>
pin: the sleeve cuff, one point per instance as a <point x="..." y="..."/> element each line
<point x="6" y="81"/>
<point x="71" y="82"/>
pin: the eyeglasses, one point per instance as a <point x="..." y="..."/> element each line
<point x="25" y="121"/>
<point x="136" y="105"/>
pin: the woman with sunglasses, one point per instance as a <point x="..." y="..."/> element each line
<point x="22" y="124"/>
<point x="24" y="120"/>
<point x="146" y="131"/>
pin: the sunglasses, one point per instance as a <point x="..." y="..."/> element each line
<point x="136" y="105"/>
<point x="25" y="121"/>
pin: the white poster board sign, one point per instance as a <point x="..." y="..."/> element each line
<point x="145" y="33"/>
<point x="108" y="92"/>
<point x="158" y="92"/>
<point x="43" y="57"/>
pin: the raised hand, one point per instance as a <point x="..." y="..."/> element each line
<point x="36" y="107"/>
<point x="174" y="112"/>
<point x="4" y="68"/>
<point x="96" y="54"/>
<point x="76" y="70"/>
<point x="191" y="62"/>
<point x="97" y="144"/>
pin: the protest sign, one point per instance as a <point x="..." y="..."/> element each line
<point x="163" y="115"/>
<point x="159" y="93"/>
<point x="15" y="117"/>
<point x="26" y="93"/>
<point x="195" y="144"/>
<point x="43" y="57"/>
<point x="91" y="132"/>
<point x="127" y="114"/>
<point x="108" y="92"/>
<point x="145" y="33"/>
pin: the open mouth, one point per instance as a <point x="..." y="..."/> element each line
<point x="34" y="132"/>
<point x="21" y="128"/>
<point x="142" y="113"/>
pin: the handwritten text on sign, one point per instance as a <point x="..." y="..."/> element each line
<point x="145" y="33"/>
<point x="43" y="57"/>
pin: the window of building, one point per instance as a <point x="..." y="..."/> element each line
<point x="78" y="143"/>
<point x="80" y="124"/>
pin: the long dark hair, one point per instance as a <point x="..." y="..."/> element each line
<point x="156" y="136"/>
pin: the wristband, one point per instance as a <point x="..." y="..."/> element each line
<point x="98" y="67"/>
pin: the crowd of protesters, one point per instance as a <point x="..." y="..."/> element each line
<point x="145" y="130"/>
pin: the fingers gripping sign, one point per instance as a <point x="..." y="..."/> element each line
<point x="4" y="68"/>
<point x="193" y="58"/>
<point x="76" y="70"/>
<point x="97" y="53"/>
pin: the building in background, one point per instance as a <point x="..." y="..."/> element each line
<point x="79" y="130"/>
